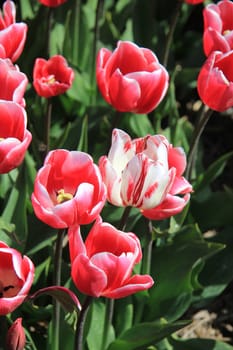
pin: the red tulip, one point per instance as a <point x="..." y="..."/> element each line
<point x="193" y="2"/>
<point x="144" y="173"/>
<point x="173" y="203"/>
<point x="68" y="189"/>
<point x="52" y="77"/>
<point x="218" y="27"/>
<point x="14" y="137"/>
<point x="130" y="78"/>
<point x="103" y="266"/>
<point x="215" y="81"/>
<point x="12" y="35"/>
<point x="52" y="3"/>
<point x="16" y="277"/>
<point x="16" y="338"/>
<point x="13" y="82"/>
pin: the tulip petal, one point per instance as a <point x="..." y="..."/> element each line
<point x="124" y="92"/>
<point x="133" y="285"/>
<point x="170" y="206"/>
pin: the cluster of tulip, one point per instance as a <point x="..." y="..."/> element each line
<point x="70" y="190"/>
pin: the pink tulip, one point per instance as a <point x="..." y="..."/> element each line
<point x="103" y="265"/>
<point x="14" y="137"/>
<point x="218" y="27"/>
<point x="215" y="81"/>
<point x="52" y="3"/>
<point x="52" y="77"/>
<point x="16" y="339"/>
<point x="16" y="277"/>
<point x="193" y="2"/>
<point x="68" y="189"/>
<point x="13" y="82"/>
<point x="179" y="193"/>
<point x="131" y="78"/>
<point x="145" y="172"/>
<point x="12" y="34"/>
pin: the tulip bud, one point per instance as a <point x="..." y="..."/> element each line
<point x="16" y="339"/>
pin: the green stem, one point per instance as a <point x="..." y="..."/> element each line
<point x="80" y="324"/>
<point x="98" y="15"/>
<point x="57" y="282"/>
<point x="76" y="38"/>
<point x="124" y="218"/>
<point x="48" y="29"/>
<point x="147" y="251"/>
<point x="171" y="32"/>
<point x="48" y="125"/>
<point x="146" y="267"/>
<point x="204" y="117"/>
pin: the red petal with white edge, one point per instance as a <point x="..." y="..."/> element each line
<point x="124" y="92"/>
<point x="180" y="186"/>
<point x="88" y="278"/>
<point x="177" y="159"/>
<point x="153" y="87"/>
<point x="133" y="285"/>
<point x="172" y="205"/>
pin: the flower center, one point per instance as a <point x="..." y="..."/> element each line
<point x="227" y="31"/>
<point x="4" y="290"/>
<point x="63" y="196"/>
<point x="49" y="79"/>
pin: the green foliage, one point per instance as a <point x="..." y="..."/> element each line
<point x="190" y="270"/>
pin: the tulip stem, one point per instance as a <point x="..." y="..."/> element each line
<point x="80" y="324"/>
<point x="146" y="267"/>
<point x="48" y="125"/>
<point x="204" y="117"/>
<point x="171" y="32"/>
<point x="124" y="218"/>
<point x="57" y="282"/>
<point x="98" y="15"/>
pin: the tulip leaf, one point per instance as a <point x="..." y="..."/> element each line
<point x="145" y="334"/>
<point x="65" y="296"/>
<point x="212" y="172"/>
<point x="141" y="125"/>
<point x="175" y="273"/>
<point x="197" y="344"/>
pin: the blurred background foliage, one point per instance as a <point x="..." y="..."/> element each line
<point x="192" y="259"/>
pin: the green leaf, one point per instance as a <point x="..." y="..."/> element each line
<point x="174" y="271"/>
<point x="140" y="125"/>
<point x="145" y="334"/>
<point x="198" y="344"/>
<point x="66" y="297"/>
<point x="96" y="326"/>
<point x="212" y="172"/>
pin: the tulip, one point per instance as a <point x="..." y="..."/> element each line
<point x="52" y="77"/>
<point x="173" y="203"/>
<point x="16" y="338"/>
<point x="143" y="172"/>
<point x="68" y="189"/>
<point x="215" y="81"/>
<point x="52" y="3"/>
<point x="14" y="137"/>
<point x="12" y="34"/>
<point x="218" y="27"/>
<point x="131" y="78"/>
<point x="103" y="265"/>
<point x="13" y="82"/>
<point x="193" y="2"/>
<point x="16" y="277"/>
